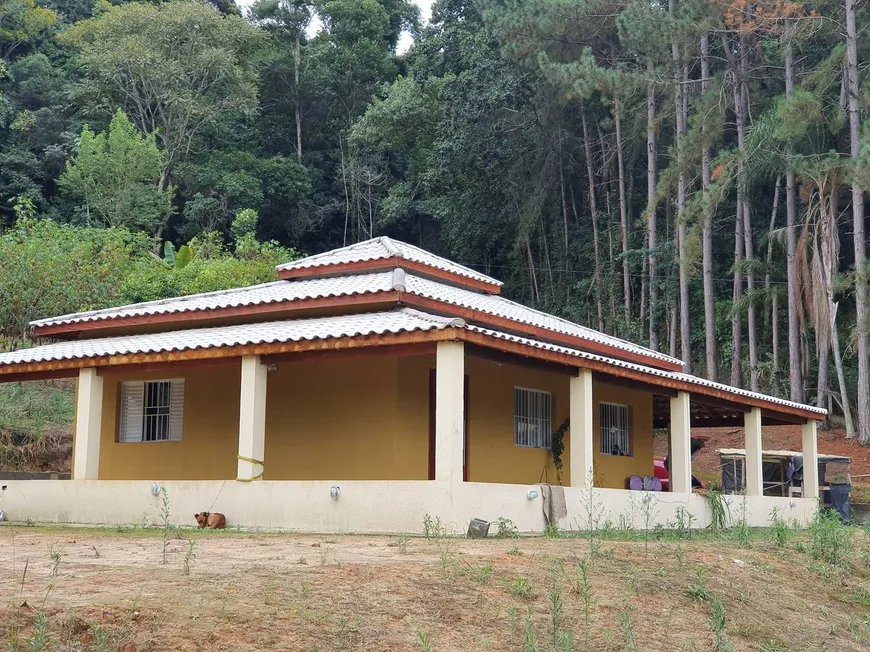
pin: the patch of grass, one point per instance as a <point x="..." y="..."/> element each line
<point x="25" y="411"/>
<point x="859" y="595"/>
<point x="515" y="552"/>
<point x="829" y="540"/>
<point x="699" y="589"/>
<point x="521" y="588"/>
<point x="551" y="531"/>
<point x="423" y="642"/>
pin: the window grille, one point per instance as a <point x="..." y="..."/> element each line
<point x="533" y="423"/>
<point x="614" y="429"/>
<point x="151" y="410"/>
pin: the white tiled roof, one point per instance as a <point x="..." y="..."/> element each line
<point x="293" y="330"/>
<point x="360" y="284"/>
<point x="661" y="373"/>
<point x="381" y="248"/>
<point x="494" y="304"/>
<point x="274" y="292"/>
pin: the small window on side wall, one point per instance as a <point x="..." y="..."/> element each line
<point x="615" y="438"/>
<point x="151" y="410"/>
<point x="533" y="423"/>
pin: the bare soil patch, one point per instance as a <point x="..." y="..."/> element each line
<point x="103" y="590"/>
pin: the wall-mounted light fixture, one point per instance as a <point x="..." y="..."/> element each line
<point x="531" y="494"/>
<point x="334" y="492"/>
<point x="155" y="489"/>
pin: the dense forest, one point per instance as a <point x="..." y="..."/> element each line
<point x="690" y="175"/>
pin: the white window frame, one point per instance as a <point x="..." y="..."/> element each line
<point x="533" y="418"/>
<point x="621" y="436"/>
<point x="160" y="421"/>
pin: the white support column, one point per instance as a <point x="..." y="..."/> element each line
<point x="811" y="460"/>
<point x="449" y="411"/>
<point x="680" y="461"/>
<point x="580" y="406"/>
<point x="752" y="429"/>
<point x="252" y="419"/>
<point x="89" y="415"/>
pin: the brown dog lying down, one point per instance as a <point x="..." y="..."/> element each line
<point x="213" y="521"/>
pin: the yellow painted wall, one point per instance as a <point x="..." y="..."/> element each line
<point x="492" y="455"/>
<point x="210" y="431"/>
<point x="364" y="419"/>
<point x="611" y="470"/>
<point x="339" y="419"/>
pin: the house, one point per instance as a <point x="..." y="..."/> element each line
<point x="368" y="387"/>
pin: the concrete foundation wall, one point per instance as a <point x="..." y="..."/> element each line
<point x="364" y="506"/>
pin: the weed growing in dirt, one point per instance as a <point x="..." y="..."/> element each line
<point x="96" y="552"/>
<point x="530" y="638"/>
<point x="719" y="509"/>
<point x="424" y="642"/>
<point x="505" y="529"/>
<point x="306" y="589"/>
<point x="516" y="552"/>
<point x="742" y="532"/>
<point x="698" y="589"/>
<point x="520" y="587"/>
<point x="189" y="556"/>
<point x="829" y="540"/>
<point x="55" y="557"/>
<point x="102" y="638"/>
<point x="402" y="543"/>
<point x="433" y="528"/>
<point x="551" y="531"/>
<point x="781" y="532"/>
<point x="718" y="623"/>
<point x="649" y="516"/>
<point x="626" y="621"/>
<point x="481" y="572"/>
<point x="680" y="555"/>
<point x="683" y="523"/>
<point x="164" y="514"/>
<point x="40" y="641"/>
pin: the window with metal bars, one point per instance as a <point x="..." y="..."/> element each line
<point x="151" y="410"/>
<point x="615" y="438"/>
<point x="533" y="421"/>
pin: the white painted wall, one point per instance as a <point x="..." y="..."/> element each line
<point x="362" y="507"/>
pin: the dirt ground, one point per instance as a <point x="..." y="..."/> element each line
<point x="831" y="442"/>
<point x="101" y="590"/>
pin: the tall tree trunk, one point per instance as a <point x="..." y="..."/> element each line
<point x="707" y="234"/>
<point x="795" y="374"/>
<point x="296" y="52"/>
<point x="593" y="208"/>
<point x="858" y="229"/>
<point x="623" y="216"/>
<point x="680" y="110"/>
<point x="774" y="296"/>
<point x="650" y="207"/>
<point x="741" y="109"/>
<point x="737" y="290"/>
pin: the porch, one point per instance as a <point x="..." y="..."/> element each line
<point x="452" y="429"/>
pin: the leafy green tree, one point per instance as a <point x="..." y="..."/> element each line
<point x="23" y="24"/>
<point x="116" y="174"/>
<point x="176" y="69"/>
